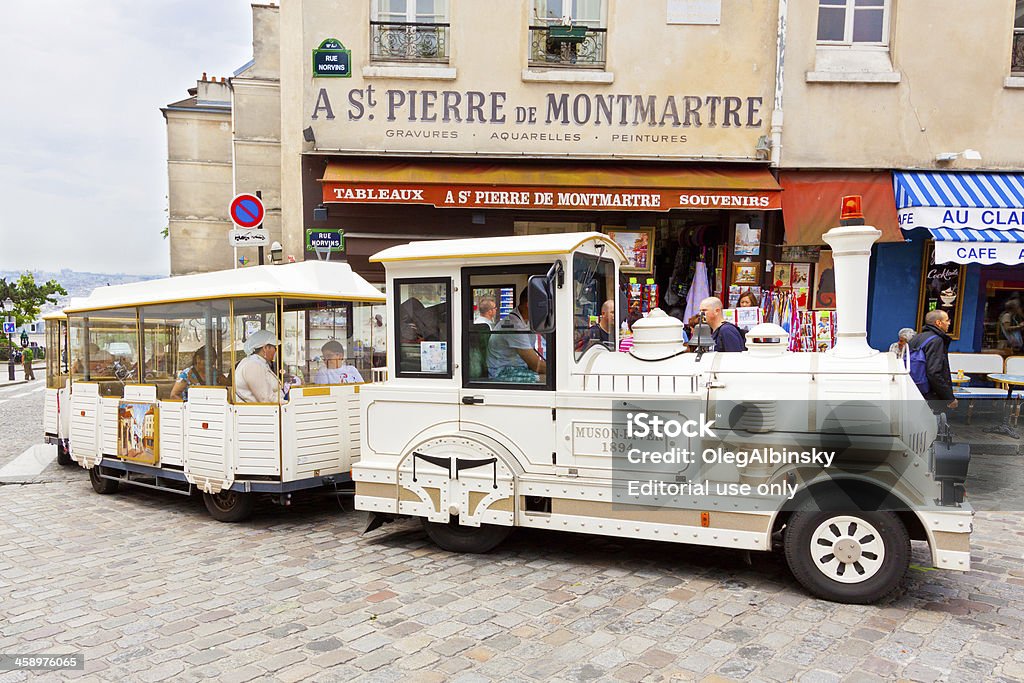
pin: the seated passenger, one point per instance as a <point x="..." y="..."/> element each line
<point x="255" y="381"/>
<point x="511" y="356"/>
<point x="334" y="371"/>
<point x="196" y="374"/>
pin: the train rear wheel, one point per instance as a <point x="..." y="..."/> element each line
<point x="229" y="506"/>
<point x="64" y="454"/>
<point x="99" y="484"/>
<point x="457" y="538"/>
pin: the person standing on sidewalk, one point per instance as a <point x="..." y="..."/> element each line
<point x="936" y="357"/>
<point x="26" y="363"/>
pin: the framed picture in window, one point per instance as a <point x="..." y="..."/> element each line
<point x="746" y="273"/>
<point x="638" y="245"/>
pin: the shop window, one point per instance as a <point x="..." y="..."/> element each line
<point x="853" y="22"/>
<point x="106" y="349"/>
<point x="595" y="319"/>
<point x="409" y="31"/>
<point x="1017" y="55"/>
<point x="499" y="348"/>
<point x="332" y="342"/>
<point x="568" y="33"/>
<point x="423" y="312"/>
<point x="251" y="317"/>
<point x="185" y="345"/>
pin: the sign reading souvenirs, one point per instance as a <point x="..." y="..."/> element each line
<point x="325" y="240"/>
<point x="332" y="60"/>
<point x="481" y="197"/>
<point x="941" y="288"/>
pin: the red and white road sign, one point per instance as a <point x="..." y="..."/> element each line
<point x="246" y="210"/>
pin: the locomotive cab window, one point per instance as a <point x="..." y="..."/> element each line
<point x="595" y="319"/>
<point x="499" y="347"/>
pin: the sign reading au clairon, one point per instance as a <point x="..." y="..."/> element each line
<point x="470" y="197"/>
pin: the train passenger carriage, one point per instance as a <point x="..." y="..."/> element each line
<point x="159" y="399"/>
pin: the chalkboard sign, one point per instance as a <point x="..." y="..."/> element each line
<point x="942" y="287"/>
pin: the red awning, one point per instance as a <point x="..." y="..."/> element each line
<point x="563" y="186"/>
<point x="811" y="203"/>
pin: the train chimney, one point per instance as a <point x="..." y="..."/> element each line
<point x="851" y="253"/>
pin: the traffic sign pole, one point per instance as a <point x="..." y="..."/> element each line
<point x="259" y="249"/>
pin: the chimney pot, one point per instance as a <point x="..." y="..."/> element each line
<point x="204" y="75"/>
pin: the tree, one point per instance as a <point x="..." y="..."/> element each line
<point x="29" y="297"/>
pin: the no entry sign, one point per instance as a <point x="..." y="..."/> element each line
<point x="246" y="211"/>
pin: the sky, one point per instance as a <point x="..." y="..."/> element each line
<point x="83" y="145"/>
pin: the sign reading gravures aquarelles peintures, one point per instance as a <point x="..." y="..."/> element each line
<point x="719" y="125"/>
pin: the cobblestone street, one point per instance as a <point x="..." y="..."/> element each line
<point x="150" y="588"/>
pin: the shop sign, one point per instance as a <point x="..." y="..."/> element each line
<point x="722" y="124"/>
<point x="985" y="253"/>
<point x="942" y="286"/>
<point x="961" y="217"/>
<point x="325" y="240"/>
<point x="332" y="60"/>
<point x="513" y="197"/>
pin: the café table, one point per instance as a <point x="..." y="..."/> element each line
<point x="1010" y="382"/>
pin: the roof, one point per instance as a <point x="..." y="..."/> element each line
<point x="306" y="279"/>
<point x="524" y="245"/>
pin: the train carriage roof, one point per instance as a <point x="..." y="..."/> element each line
<point x="481" y="247"/>
<point x="320" y="280"/>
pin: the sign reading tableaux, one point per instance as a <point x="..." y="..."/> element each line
<point x="332" y="60"/>
<point x="694" y="12"/>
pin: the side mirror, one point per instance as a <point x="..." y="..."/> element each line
<point x="542" y="304"/>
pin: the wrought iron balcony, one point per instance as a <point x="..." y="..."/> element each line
<point x="567" y="46"/>
<point x="393" y="41"/>
<point x="1017" y="56"/>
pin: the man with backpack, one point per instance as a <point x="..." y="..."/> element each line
<point x="727" y="337"/>
<point x="929" y="359"/>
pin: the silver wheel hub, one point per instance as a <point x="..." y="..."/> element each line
<point x="847" y="549"/>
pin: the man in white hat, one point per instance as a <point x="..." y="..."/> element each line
<point x="255" y="382"/>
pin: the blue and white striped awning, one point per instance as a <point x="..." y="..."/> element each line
<point x="958" y="190"/>
<point x="973" y="217"/>
<point x="972" y="235"/>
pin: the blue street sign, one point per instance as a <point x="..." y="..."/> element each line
<point x="8" y="328"/>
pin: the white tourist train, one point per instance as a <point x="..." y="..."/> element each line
<point x="158" y="399"/>
<point x="483" y="427"/>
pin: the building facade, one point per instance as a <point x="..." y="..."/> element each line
<point x="713" y="136"/>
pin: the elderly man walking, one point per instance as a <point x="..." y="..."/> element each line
<point x="933" y="341"/>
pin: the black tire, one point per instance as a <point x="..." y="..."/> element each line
<point x="229" y="506"/>
<point x="99" y="484"/>
<point x="457" y="538"/>
<point x="887" y="547"/>
<point x="64" y="455"/>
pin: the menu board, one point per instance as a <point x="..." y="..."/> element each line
<point x="942" y="287"/>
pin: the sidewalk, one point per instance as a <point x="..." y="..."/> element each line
<point x="38" y="368"/>
<point x="987" y="415"/>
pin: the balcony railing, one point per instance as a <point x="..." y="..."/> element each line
<point x="1017" y="56"/>
<point x="393" y="41"/>
<point x="564" y="46"/>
